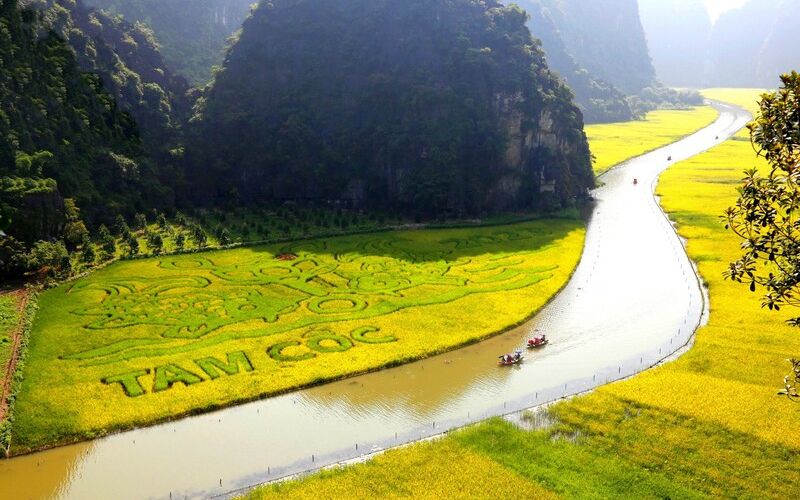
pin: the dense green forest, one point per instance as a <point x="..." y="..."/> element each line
<point x="128" y="61"/>
<point x="420" y="109"/>
<point x="192" y="43"/>
<point x="70" y="154"/>
<point x="342" y="113"/>
<point x="429" y="107"/>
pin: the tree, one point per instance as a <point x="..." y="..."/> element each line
<point x="224" y="237"/>
<point x="180" y="219"/>
<point x="75" y="233"/>
<point x="107" y="242"/>
<point x="48" y="257"/>
<point x="133" y="246"/>
<point x="199" y="236"/>
<point x="140" y="221"/>
<point x="88" y="255"/>
<point x="767" y="214"/>
<point x="121" y="227"/>
<point x="12" y="258"/>
<point x="161" y="220"/>
<point x="71" y="209"/>
<point x="180" y="241"/>
<point x="156" y="243"/>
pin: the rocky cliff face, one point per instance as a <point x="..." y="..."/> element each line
<point x="599" y="100"/>
<point x="427" y="106"/>
<point x="605" y="37"/>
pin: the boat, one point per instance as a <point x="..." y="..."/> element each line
<point x="538" y="341"/>
<point x="511" y="359"/>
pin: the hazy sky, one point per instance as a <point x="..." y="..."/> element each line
<point x="717" y="7"/>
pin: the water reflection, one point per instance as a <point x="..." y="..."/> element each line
<point x="47" y="474"/>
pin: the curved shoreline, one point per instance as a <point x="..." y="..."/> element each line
<point x="268" y="439"/>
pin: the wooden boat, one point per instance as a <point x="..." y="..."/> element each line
<point x="537" y="342"/>
<point x="511" y="359"/>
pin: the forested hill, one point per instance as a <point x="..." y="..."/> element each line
<point x="600" y="101"/>
<point x="192" y="34"/>
<point x="422" y="106"/>
<point x="605" y="37"/>
<point x="598" y="48"/>
<point x="60" y="133"/>
<point x="129" y="64"/>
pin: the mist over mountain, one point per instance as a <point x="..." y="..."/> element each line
<point x="748" y="46"/>
<point x="192" y="34"/>
<point x="678" y="33"/>
<point x="599" y="100"/>
<point x="605" y="37"/>
<point x="424" y="106"/>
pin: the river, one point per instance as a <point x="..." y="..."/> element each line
<point x="633" y="301"/>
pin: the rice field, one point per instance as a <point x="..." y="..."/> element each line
<point x="148" y="340"/>
<point x="613" y="143"/>
<point x="707" y="425"/>
<point x="424" y="471"/>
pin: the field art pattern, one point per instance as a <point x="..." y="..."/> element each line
<point x="321" y="283"/>
<point x="255" y="321"/>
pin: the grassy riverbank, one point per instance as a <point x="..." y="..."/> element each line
<point x="707" y="425"/>
<point x="613" y="143"/>
<point x="148" y="340"/>
<point x="9" y="318"/>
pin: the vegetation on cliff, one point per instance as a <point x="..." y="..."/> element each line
<point x="192" y="34"/>
<point x="425" y="107"/>
<point x="64" y="135"/>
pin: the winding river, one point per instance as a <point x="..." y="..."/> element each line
<point x="633" y="301"/>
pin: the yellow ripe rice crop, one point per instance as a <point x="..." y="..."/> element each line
<point x="734" y="370"/>
<point x="421" y="471"/>
<point x="613" y="143"/>
<point x="707" y="425"/>
<point x="146" y="340"/>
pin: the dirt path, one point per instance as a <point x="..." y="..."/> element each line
<point x="16" y="340"/>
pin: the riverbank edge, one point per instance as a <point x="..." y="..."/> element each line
<point x="79" y="438"/>
<point x="517" y="415"/>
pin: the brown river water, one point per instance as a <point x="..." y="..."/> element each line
<point x="633" y="301"/>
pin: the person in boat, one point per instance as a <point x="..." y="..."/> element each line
<point x="517" y="355"/>
<point x="669" y="159"/>
<point x="538" y="340"/>
<point x="635" y="181"/>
